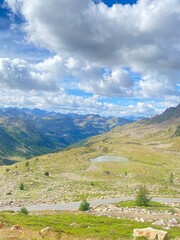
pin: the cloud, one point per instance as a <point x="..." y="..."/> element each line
<point x="51" y="74"/>
<point x="64" y="103"/>
<point x="92" y="45"/>
<point x="154" y="85"/>
<point x="19" y="74"/>
<point x="144" y="35"/>
<point x="113" y="82"/>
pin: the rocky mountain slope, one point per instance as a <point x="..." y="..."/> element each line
<point x="168" y="114"/>
<point x="28" y="133"/>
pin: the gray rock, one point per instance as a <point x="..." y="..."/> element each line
<point x="142" y="220"/>
<point x="159" y="222"/>
<point x="173" y="222"/>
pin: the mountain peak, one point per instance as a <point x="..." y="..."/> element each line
<point x="169" y="113"/>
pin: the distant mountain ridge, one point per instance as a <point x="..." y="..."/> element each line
<point x="27" y="133"/>
<point x="169" y="113"/>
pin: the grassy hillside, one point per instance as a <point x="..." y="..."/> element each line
<point x="7" y="147"/>
<point x="152" y="149"/>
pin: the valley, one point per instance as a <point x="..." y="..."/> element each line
<point x="149" y="156"/>
<point x="152" y="149"/>
<point x="25" y="133"/>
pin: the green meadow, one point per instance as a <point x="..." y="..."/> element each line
<point x="74" y="225"/>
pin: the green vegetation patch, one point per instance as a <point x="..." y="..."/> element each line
<point x="151" y="206"/>
<point x="79" y="224"/>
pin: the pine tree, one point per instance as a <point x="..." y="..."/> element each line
<point x="142" y="198"/>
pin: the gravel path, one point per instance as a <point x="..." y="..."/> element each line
<point x="75" y="205"/>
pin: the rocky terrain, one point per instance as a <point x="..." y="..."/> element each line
<point x="165" y="218"/>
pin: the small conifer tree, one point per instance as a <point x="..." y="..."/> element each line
<point x="21" y="186"/>
<point x="24" y="211"/>
<point x="27" y="164"/>
<point x="84" y="206"/>
<point x="142" y="198"/>
<point x="171" y="178"/>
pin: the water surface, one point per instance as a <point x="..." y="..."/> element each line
<point x="106" y="158"/>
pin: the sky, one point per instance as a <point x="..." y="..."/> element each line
<point x="111" y="57"/>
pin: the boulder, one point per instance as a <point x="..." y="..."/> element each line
<point x="159" y="222"/>
<point x="106" y="172"/>
<point x="2" y="224"/>
<point x="150" y="233"/>
<point x="44" y="231"/>
<point x="173" y="222"/>
<point x="15" y="227"/>
<point x="142" y="220"/>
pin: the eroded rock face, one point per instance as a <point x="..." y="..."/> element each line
<point x="150" y="233"/>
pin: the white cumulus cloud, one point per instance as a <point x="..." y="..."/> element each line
<point x="87" y="38"/>
<point x="19" y="74"/>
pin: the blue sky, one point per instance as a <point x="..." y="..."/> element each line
<point x="110" y="3"/>
<point x="107" y="57"/>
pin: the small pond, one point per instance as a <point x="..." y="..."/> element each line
<point x="106" y="158"/>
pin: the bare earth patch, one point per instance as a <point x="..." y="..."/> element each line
<point x="92" y="168"/>
<point x="164" y="146"/>
<point x="73" y="176"/>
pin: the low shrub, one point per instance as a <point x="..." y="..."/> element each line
<point x="46" y="173"/>
<point x="84" y="206"/>
<point x="27" y="164"/>
<point x="21" y="186"/>
<point x="24" y="211"/>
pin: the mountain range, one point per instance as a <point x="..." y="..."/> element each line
<point x="27" y="133"/>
